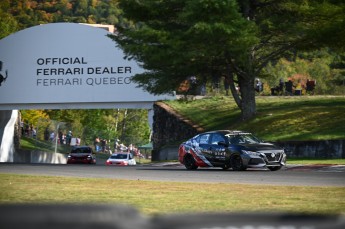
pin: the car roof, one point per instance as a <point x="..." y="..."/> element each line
<point x="226" y="132"/>
<point x="78" y="147"/>
<point x="120" y="153"/>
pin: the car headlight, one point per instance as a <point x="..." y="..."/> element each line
<point x="251" y="153"/>
<point x="69" y="156"/>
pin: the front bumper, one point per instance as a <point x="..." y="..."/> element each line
<point x="75" y="160"/>
<point x="266" y="159"/>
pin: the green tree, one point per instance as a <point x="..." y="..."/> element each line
<point x="130" y="126"/>
<point x="210" y="38"/>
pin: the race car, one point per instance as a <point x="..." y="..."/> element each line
<point x="238" y="150"/>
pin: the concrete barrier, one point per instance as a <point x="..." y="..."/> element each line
<point x="27" y="156"/>
<point x="167" y="153"/>
<point x="314" y="149"/>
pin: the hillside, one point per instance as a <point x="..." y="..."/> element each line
<point x="278" y="118"/>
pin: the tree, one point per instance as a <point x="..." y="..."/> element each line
<point x="8" y="23"/>
<point x="212" y="38"/>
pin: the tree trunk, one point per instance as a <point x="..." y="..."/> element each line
<point x="248" y="105"/>
<point x="234" y="92"/>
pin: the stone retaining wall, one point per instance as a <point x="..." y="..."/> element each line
<point x="170" y="129"/>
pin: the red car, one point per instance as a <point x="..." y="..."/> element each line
<point x="81" y="155"/>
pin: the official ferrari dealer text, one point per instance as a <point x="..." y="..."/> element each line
<point x="75" y="71"/>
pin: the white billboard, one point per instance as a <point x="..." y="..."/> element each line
<point x="67" y="65"/>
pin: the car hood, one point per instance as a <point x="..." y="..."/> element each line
<point x="260" y="147"/>
<point x="117" y="160"/>
<point x="80" y="154"/>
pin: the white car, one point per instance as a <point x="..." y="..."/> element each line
<point x="121" y="158"/>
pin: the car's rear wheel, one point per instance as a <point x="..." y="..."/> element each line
<point x="189" y="162"/>
<point x="237" y="163"/>
<point x="274" y="168"/>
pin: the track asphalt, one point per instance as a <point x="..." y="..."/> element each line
<point x="290" y="167"/>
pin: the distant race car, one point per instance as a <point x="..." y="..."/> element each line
<point x="230" y="149"/>
<point x="122" y="158"/>
<point x="81" y="155"/>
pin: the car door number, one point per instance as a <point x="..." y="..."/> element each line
<point x="216" y="153"/>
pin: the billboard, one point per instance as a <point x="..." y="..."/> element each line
<point x="66" y="66"/>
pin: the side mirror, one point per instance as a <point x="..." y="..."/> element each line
<point x="222" y="143"/>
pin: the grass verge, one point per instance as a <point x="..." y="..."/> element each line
<point x="151" y="197"/>
<point x="310" y="161"/>
<point x="46" y="146"/>
<point x="278" y="117"/>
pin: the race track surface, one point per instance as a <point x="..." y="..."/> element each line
<point x="295" y="175"/>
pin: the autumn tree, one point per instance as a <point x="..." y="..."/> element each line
<point x="8" y="23"/>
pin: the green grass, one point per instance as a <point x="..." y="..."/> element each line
<point x="313" y="161"/>
<point x="46" y="146"/>
<point x="278" y="118"/>
<point x="151" y="197"/>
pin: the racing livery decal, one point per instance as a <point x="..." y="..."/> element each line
<point x="201" y="160"/>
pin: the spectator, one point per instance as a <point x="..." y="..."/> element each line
<point x="96" y="144"/>
<point x="103" y="144"/>
<point x="310" y="86"/>
<point x="227" y="82"/>
<point x="288" y="87"/>
<point x="52" y="136"/>
<point x="60" y="137"/>
<point x="34" y="133"/>
<point x="77" y="141"/>
<point x="258" y="86"/>
<point x="69" y="137"/>
<point x="116" y="144"/>
<point x="298" y="88"/>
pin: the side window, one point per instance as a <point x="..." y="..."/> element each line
<point x="217" y="138"/>
<point x="196" y="140"/>
<point x="204" y="139"/>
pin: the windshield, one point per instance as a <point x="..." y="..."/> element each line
<point x="243" y="139"/>
<point x="119" y="156"/>
<point x="81" y="150"/>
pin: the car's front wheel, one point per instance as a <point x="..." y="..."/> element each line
<point x="189" y="162"/>
<point x="274" y="168"/>
<point x="237" y="163"/>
